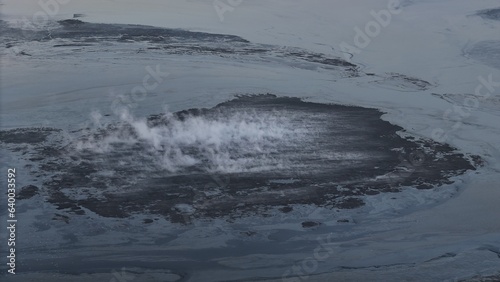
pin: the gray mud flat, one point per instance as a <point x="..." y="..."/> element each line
<point x="487" y="52"/>
<point x="329" y="155"/>
<point x="225" y="191"/>
<point x="91" y="37"/>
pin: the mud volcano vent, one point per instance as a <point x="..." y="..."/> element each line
<point x="241" y="157"/>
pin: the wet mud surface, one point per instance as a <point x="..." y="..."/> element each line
<point x="491" y="14"/>
<point x="239" y="158"/>
<point x="86" y="37"/>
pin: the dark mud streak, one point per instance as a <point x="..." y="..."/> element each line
<point x="491" y="14"/>
<point x="168" y="41"/>
<point x="483" y="278"/>
<point x="487" y="52"/>
<point x="26" y="135"/>
<point x="335" y="184"/>
<point x="27" y="192"/>
<point x="418" y="83"/>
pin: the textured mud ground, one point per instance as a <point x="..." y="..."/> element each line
<point x="240" y="157"/>
<point x="82" y="37"/>
<point x="255" y="156"/>
<point x="72" y="37"/>
<point x="487" y="52"/>
<point x="491" y="14"/>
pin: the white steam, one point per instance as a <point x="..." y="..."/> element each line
<point x="218" y="142"/>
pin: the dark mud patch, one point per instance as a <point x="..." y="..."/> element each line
<point x="404" y="82"/>
<point x="245" y="156"/>
<point x="310" y="224"/>
<point x="73" y="45"/>
<point x="27" y="192"/>
<point x="490" y="14"/>
<point x="74" y="28"/>
<point x="483" y="278"/>
<point x="26" y="135"/>
<point x="486" y="52"/>
<point x="167" y="41"/>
